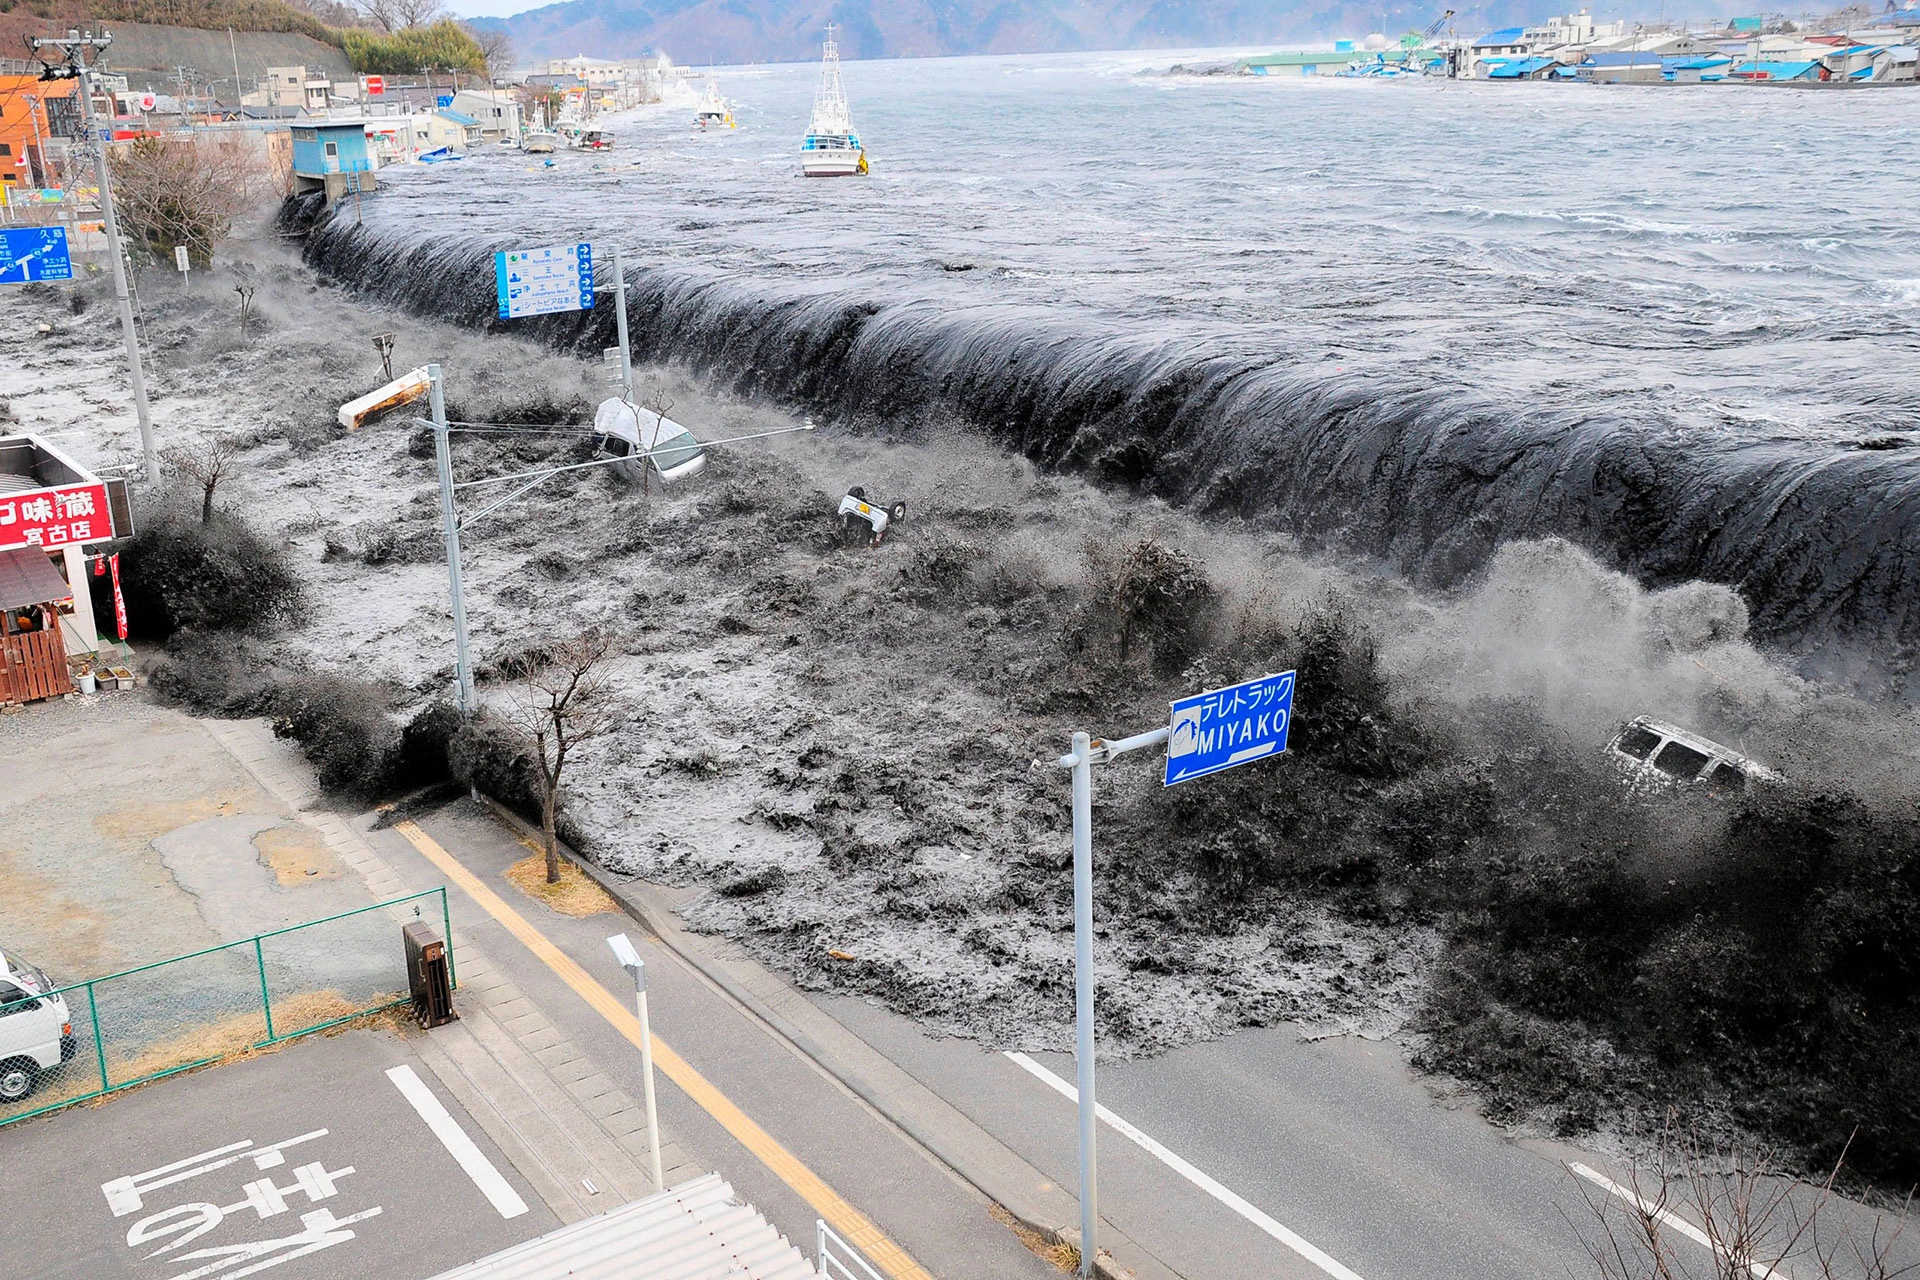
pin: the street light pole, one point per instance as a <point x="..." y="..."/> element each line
<point x="75" y="46"/>
<point x="630" y="961"/>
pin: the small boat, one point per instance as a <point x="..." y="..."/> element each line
<point x="713" y="113"/>
<point x="832" y="149"/>
<point x="594" y="140"/>
<point x="541" y="142"/>
<point x="439" y="155"/>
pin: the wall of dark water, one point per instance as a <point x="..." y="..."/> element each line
<point x="1821" y="538"/>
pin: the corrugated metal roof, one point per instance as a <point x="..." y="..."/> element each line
<point x="1518" y="68"/>
<point x="28" y="577"/>
<point x="695" y="1231"/>
<point x="1510" y="35"/>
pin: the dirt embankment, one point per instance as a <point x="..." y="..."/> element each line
<point x="840" y="741"/>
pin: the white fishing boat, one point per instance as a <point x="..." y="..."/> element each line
<point x="713" y="112"/>
<point x="541" y="142"/>
<point x="832" y="149"/>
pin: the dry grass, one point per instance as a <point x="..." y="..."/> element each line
<point x="575" y="895"/>
<point x="234" y="1038"/>
<point x="1061" y="1257"/>
<point x="296" y="854"/>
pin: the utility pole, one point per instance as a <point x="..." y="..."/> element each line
<point x="239" y="90"/>
<point x="443" y="454"/>
<point x="75" y="47"/>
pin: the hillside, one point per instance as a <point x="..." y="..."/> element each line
<point x="739" y="31"/>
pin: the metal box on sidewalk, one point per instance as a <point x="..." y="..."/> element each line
<point x="428" y="975"/>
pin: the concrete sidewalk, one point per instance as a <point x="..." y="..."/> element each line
<point x="579" y="1139"/>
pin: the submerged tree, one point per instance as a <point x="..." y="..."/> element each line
<point x="174" y="193"/>
<point x="564" y="702"/>
<point x="206" y="462"/>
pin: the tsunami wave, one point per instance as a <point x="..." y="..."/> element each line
<point x="1821" y="537"/>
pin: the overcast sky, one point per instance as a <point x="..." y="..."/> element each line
<point x="493" y="8"/>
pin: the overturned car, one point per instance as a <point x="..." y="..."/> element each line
<point x="1654" y="752"/>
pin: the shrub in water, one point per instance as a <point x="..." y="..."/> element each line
<point x="217" y="576"/>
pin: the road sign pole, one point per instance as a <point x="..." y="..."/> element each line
<point x="1083" y="989"/>
<point x="443" y="453"/>
<point x="620" y="325"/>
<point x="137" y="374"/>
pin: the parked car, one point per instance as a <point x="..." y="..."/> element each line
<point x="36" y="1035"/>
<point x="1653" y="751"/>
<point x="638" y="434"/>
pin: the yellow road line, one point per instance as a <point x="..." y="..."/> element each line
<point x="853" y="1225"/>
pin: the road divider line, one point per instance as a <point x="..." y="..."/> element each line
<point x="1758" y="1270"/>
<point x="473" y="1161"/>
<point x="855" y="1227"/>
<point x="1291" y="1239"/>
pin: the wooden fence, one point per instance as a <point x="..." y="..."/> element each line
<point x="33" y="665"/>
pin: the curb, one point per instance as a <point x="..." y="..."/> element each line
<point x="645" y="915"/>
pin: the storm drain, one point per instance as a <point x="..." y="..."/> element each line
<point x="695" y="1231"/>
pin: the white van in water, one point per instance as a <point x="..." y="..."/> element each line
<point x="627" y="431"/>
<point x="1651" y="750"/>
<point x="36" y="1035"/>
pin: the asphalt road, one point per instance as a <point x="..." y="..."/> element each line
<point x="310" y="1163"/>
<point x="943" y="1223"/>
<point x="1334" y="1140"/>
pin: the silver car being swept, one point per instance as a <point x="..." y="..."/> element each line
<point x="1653" y="751"/>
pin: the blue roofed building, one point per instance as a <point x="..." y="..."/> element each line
<point x="332" y="156"/>
<point x="1707" y="69"/>
<point x="1536" y="68"/>
<point x="1779" y="72"/>
<point x="1496" y="46"/>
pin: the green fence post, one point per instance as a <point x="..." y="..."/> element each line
<point x="266" y="1001"/>
<point x="99" y="1046"/>
<point x="446" y="931"/>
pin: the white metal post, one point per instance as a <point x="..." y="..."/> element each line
<point x="1083" y="989"/>
<point x="462" y="670"/>
<point x="620" y="324"/>
<point x="646" y="1074"/>
<point x="137" y="374"/>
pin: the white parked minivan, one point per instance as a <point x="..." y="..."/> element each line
<point x="36" y="1035"/>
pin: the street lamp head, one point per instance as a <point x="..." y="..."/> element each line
<point x="629" y="960"/>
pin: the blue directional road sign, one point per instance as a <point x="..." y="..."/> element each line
<point x="1225" y="727"/>
<point x="34" y="253"/>
<point x="539" y="282"/>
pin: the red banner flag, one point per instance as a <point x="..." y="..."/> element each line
<point x="119" y="601"/>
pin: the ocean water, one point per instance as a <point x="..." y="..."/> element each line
<point x="1413" y="319"/>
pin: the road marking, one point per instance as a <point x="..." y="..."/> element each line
<point x="498" y="1191"/>
<point x="1758" y="1270"/>
<point x="853" y="1225"/>
<point x="1300" y="1245"/>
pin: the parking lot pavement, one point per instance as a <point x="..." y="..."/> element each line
<point x="337" y="1156"/>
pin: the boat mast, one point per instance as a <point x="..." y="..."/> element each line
<point x="830" y="113"/>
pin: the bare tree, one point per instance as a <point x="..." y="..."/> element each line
<point x="497" y="46"/>
<point x="402" y="15"/>
<point x="1692" y="1212"/>
<point x="171" y="192"/>
<point x="207" y="462"/>
<point x="563" y="703"/>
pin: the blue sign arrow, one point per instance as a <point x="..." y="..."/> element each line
<point x="1222" y="728"/>
<point x="34" y="253"/>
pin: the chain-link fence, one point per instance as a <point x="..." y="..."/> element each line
<point x="72" y="1043"/>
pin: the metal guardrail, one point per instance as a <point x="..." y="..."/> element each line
<point x="840" y="1260"/>
<point x="159" y="1019"/>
